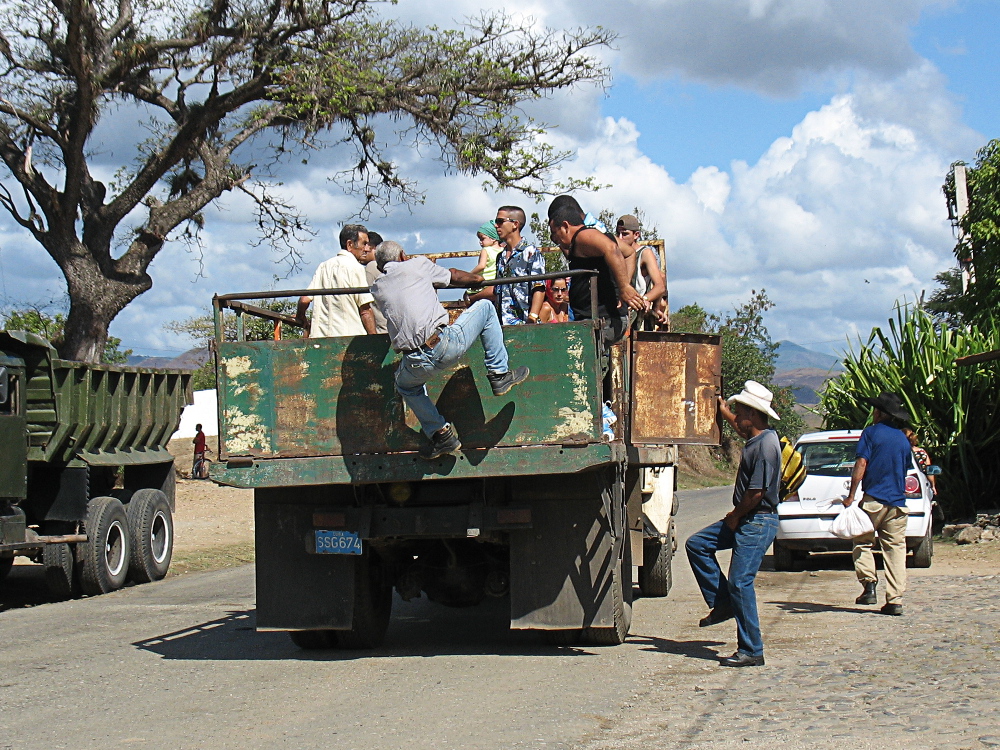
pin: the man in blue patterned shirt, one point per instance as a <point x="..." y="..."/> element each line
<point x="517" y="303"/>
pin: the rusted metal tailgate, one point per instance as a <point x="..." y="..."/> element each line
<point x="676" y="378"/>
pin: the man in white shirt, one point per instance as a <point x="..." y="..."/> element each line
<point x="341" y="314"/>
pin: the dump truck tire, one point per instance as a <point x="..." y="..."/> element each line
<point x="314" y="640"/>
<point x="58" y="562"/>
<point x="784" y="558"/>
<point x="104" y="556"/>
<point x="621" y="592"/>
<point x="372" y="604"/>
<point x="655" y="574"/>
<point x="151" y="531"/>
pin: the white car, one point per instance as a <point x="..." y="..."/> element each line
<point x="805" y="518"/>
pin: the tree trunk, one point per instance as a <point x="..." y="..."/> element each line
<point x="95" y="299"/>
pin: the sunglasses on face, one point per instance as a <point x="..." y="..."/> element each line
<point x="500" y="222"/>
<point x="559" y="290"/>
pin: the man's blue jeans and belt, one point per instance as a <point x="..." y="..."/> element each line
<point x="420" y="365"/>
<point x="749" y="543"/>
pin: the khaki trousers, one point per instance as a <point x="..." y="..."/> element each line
<point x="890" y="525"/>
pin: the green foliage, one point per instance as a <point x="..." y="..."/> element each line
<point x="36" y="320"/>
<point x="946" y="303"/>
<point x="981" y="244"/>
<point x="954" y="408"/>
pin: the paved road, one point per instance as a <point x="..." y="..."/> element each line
<point x="178" y="664"/>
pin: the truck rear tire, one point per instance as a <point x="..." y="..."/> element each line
<point x="104" y="556"/>
<point x="372" y="604"/>
<point x="58" y="562"/>
<point x="151" y="531"/>
<point x="784" y="558"/>
<point x="655" y="574"/>
<point x="621" y="593"/>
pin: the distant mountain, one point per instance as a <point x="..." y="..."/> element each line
<point x="791" y="356"/>
<point x="192" y="359"/>
<point x="805" y="382"/>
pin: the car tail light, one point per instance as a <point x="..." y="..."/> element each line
<point x="912" y="486"/>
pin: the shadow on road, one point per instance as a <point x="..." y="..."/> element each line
<point x="800" y="608"/>
<point x="690" y="649"/>
<point x="419" y="628"/>
<point x="24" y="586"/>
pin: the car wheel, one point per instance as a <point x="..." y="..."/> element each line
<point x="784" y="558"/>
<point x="923" y="552"/>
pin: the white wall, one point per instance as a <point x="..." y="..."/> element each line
<point x="203" y="411"/>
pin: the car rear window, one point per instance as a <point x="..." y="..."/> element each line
<point x="831" y="459"/>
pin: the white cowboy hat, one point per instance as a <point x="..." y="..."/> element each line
<point x="756" y="397"/>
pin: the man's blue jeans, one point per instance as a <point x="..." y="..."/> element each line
<point x="749" y="543"/>
<point x="421" y="365"/>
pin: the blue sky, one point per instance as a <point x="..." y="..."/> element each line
<point x="794" y="145"/>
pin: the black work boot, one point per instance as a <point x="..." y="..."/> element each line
<point x="868" y="596"/>
<point x="443" y="441"/>
<point x="504" y="381"/>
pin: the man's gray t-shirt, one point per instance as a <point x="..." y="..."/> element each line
<point x="760" y="469"/>
<point x="406" y="293"/>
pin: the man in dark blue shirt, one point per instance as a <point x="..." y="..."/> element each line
<point x="747" y="530"/>
<point x="884" y="456"/>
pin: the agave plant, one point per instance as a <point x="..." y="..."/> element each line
<point x="955" y="409"/>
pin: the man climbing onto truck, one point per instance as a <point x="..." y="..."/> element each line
<point x="418" y="329"/>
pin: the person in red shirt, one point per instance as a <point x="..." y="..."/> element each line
<point x="199" y="470"/>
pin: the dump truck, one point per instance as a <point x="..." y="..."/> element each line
<point x="86" y="481"/>
<point x="540" y="507"/>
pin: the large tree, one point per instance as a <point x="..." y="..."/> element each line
<point x="224" y="86"/>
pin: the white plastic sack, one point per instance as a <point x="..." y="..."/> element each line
<point x="852" y="522"/>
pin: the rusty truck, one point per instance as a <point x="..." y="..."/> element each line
<point x="540" y="507"/>
<point x="86" y="481"/>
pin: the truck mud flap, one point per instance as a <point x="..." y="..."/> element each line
<point x="562" y="568"/>
<point x="297" y="590"/>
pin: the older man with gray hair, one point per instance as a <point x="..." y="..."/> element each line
<point x="418" y="329"/>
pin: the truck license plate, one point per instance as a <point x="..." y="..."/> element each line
<point x="337" y="542"/>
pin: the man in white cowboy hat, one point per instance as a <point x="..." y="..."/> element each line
<point x="883" y="458"/>
<point x="747" y="530"/>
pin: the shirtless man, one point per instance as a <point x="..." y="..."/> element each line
<point x="589" y="248"/>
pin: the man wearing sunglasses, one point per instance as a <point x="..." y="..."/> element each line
<point x="517" y="303"/>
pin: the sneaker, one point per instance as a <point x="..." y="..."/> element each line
<point x="503" y="382"/>
<point x="443" y="441"/>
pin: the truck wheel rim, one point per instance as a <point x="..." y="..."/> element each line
<point x="114" y="549"/>
<point x="159" y="537"/>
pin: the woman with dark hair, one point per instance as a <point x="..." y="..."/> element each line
<point x="556" y="307"/>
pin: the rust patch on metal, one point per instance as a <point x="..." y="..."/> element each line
<point x="676" y="379"/>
